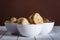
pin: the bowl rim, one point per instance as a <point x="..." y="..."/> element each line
<point x="29" y="24"/>
<point x="48" y="22"/>
<point x="10" y="23"/>
<point x="35" y="24"/>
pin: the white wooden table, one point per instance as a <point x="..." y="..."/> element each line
<point x="54" y="35"/>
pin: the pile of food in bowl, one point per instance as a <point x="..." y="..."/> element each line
<point x="11" y="25"/>
<point x="31" y="26"/>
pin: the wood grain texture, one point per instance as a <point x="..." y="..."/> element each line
<point x="2" y="33"/>
<point x="9" y="38"/>
<point x="25" y="38"/>
<point x="54" y="35"/>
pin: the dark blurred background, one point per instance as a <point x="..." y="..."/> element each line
<point x="17" y="8"/>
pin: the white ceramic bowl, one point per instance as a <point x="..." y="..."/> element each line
<point x="11" y="27"/>
<point x="47" y="28"/>
<point x="29" y="30"/>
